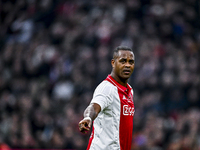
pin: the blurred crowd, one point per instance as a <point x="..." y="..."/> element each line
<point x="53" y="53"/>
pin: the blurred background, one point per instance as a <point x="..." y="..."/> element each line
<point x="53" y="53"/>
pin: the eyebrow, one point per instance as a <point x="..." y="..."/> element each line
<point x="130" y="60"/>
<point x="126" y="58"/>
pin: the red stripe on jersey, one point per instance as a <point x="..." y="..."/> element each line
<point x="126" y="121"/>
<point x="91" y="138"/>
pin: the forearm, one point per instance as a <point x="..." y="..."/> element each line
<point x="89" y="114"/>
<point x="92" y="111"/>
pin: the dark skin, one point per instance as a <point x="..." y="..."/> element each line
<point x="123" y="65"/>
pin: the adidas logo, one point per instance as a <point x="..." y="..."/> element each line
<point x="124" y="97"/>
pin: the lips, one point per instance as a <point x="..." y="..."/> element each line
<point x="126" y="71"/>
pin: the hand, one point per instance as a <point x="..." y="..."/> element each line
<point x="85" y="125"/>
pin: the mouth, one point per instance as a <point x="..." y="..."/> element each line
<point x="126" y="71"/>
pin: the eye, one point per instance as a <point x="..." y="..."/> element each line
<point x="122" y="60"/>
<point x="131" y="62"/>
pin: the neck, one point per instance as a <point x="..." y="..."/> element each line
<point x="121" y="81"/>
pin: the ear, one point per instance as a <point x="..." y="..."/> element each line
<point x="113" y="63"/>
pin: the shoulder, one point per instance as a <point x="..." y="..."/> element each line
<point x="105" y="87"/>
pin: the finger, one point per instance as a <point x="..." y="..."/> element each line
<point x="82" y="127"/>
<point x="89" y="124"/>
<point x="85" y="128"/>
<point x="83" y="131"/>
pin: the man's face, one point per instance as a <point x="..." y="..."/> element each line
<point x="123" y="65"/>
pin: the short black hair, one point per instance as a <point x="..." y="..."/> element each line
<point x="123" y="48"/>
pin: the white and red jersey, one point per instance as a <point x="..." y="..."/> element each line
<point x="112" y="129"/>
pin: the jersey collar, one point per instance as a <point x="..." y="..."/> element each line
<point x="119" y="86"/>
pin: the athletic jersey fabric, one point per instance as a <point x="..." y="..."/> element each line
<point x="112" y="129"/>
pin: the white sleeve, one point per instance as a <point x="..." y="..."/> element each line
<point x="102" y="95"/>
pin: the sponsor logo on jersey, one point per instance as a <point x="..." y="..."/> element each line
<point x="128" y="111"/>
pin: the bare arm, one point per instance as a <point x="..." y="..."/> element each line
<point x="90" y="113"/>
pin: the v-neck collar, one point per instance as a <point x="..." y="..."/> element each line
<point x="119" y="86"/>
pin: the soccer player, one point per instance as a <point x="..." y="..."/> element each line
<point x="112" y="107"/>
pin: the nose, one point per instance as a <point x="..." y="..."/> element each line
<point x="128" y="65"/>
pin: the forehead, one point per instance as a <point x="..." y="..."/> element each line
<point x="125" y="54"/>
